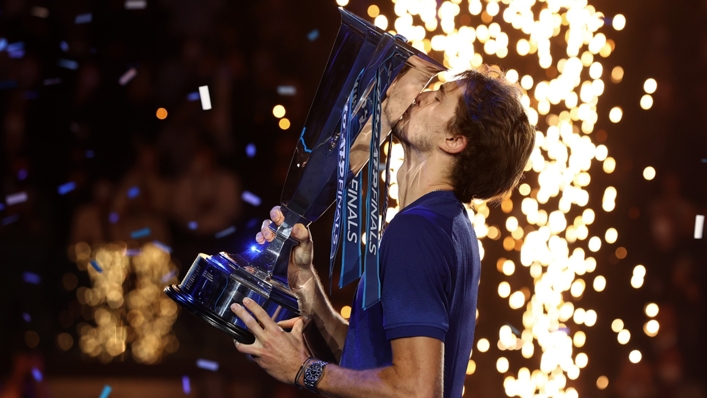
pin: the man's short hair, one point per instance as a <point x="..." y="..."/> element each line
<point x="499" y="136"/>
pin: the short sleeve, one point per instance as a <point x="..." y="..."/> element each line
<point x="415" y="278"/>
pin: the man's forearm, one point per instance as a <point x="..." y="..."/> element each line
<point x="315" y="304"/>
<point x="338" y="382"/>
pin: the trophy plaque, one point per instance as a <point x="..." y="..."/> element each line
<point x="360" y="52"/>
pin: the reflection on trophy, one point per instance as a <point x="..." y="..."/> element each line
<point x="350" y="89"/>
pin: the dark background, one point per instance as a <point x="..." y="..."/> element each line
<point x="88" y="129"/>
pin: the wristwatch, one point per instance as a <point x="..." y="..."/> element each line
<point x="312" y="374"/>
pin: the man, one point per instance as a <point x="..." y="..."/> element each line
<point x="468" y="140"/>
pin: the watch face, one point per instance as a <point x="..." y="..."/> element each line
<point x="313" y="373"/>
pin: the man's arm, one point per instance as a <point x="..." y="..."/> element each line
<point x="306" y="285"/>
<point x="416" y="370"/>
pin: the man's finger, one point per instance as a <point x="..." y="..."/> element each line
<point x="298" y="326"/>
<point x="289" y="323"/>
<point x="301" y="233"/>
<point x="276" y="215"/>
<point x="260" y="315"/>
<point x="250" y="349"/>
<point x="248" y="319"/>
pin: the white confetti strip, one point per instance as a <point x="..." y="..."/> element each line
<point x="135" y="4"/>
<point x="16" y="198"/>
<point x="205" y="98"/>
<point x="127" y="76"/>
<point x="699" y="225"/>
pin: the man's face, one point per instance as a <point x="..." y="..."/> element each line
<point x="425" y="122"/>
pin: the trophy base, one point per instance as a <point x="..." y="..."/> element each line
<point x="239" y="334"/>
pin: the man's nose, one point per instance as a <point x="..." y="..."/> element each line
<point x="422" y="96"/>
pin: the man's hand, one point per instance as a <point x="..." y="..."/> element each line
<point x="300" y="269"/>
<point x="278" y="352"/>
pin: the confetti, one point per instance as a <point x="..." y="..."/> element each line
<point x="16" y="198"/>
<point x="2" y="206"/>
<point x="8" y="84"/>
<point x="133" y="192"/>
<point x="186" y="386"/>
<point x="206" y="364"/>
<point x="162" y="246"/>
<point x="113" y="217"/>
<point x="193" y="96"/>
<point x="68" y="64"/>
<point x="286" y="90"/>
<point x="40" y="12"/>
<point x="31" y="278"/>
<point x="106" y="391"/>
<point x="90" y="154"/>
<point x="140" y="233"/>
<point x="17" y="54"/>
<point x="22" y="174"/>
<point x="193" y="225"/>
<point x="26" y="317"/>
<point x="127" y="76"/>
<point x="704" y="160"/>
<point x="169" y="276"/>
<point x="205" y="98"/>
<point x="312" y="36"/>
<point x="135" y="4"/>
<point x="16" y="46"/>
<point x="225" y="232"/>
<point x="133" y="252"/>
<point x="50" y="82"/>
<point x="37" y="374"/>
<point x="699" y="225"/>
<point x="64" y="46"/>
<point x="10" y="219"/>
<point x="250" y="150"/>
<point x="3" y="44"/>
<point x="96" y="266"/>
<point x="83" y="18"/>
<point x="251" y="198"/>
<point x="66" y="188"/>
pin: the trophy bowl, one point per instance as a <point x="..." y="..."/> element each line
<point x="214" y="282"/>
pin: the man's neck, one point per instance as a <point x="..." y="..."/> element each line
<point x="420" y="174"/>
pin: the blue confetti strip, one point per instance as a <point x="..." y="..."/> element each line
<point x="286" y="90"/>
<point x="8" y="84"/>
<point x="186" y="385"/>
<point x="10" y="219"/>
<point x="17" y="46"/>
<point x="193" y="225"/>
<point x="96" y="266"/>
<point x="133" y="192"/>
<point x="64" y="46"/>
<point x="16" y="54"/>
<point x="106" y="391"/>
<point x="83" y="18"/>
<point x="193" y="96"/>
<point x="26" y="317"/>
<point x="31" y="278"/>
<point x="51" y="82"/>
<point x="68" y="64"/>
<point x="162" y="246"/>
<point x="206" y="364"/>
<point x="37" y="374"/>
<point x="704" y="160"/>
<point x="113" y="217"/>
<point x="140" y="233"/>
<point x="313" y="35"/>
<point x="2" y="207"/>
<point x="3" y="44"/>
<point x="250" y="150"/>
<point x="250" y="197"/>
<point x="169" y="276"/>
<point x="66" y="188"/>
<point x="22" y="174"/>
<point x="225" y="232"/>
<point x="90" y="154"/>
<point x="16" y="198"/>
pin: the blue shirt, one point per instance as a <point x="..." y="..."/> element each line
<point x="429" y="284"/>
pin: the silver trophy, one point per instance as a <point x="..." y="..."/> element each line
<point x="214" y="282"/>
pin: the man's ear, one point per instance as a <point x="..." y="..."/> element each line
<point x="454" y="143"/>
